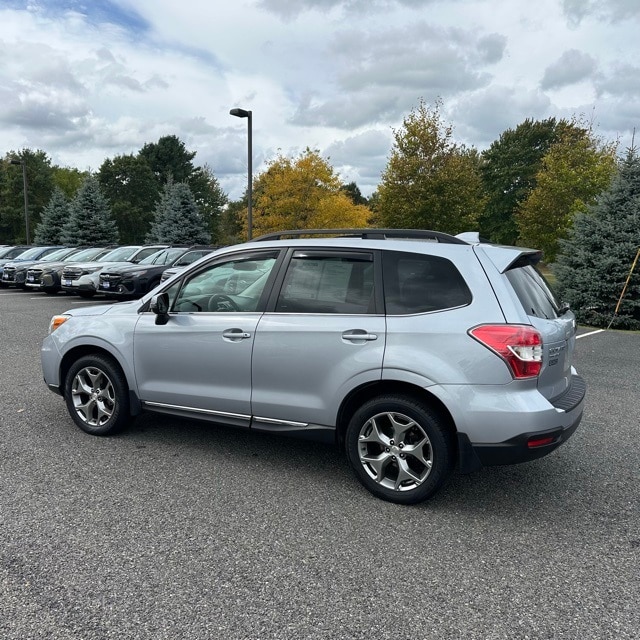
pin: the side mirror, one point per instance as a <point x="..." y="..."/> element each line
<point x="160" y="306"/>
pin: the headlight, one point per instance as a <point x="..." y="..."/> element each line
<point x="57" y="321"/>
<point x="86" y="272"/>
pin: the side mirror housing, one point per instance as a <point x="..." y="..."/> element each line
<point x="160" y="306"/>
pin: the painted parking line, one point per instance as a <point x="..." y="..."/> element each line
<point x="591" y="333"/>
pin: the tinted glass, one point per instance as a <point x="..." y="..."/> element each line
<point x="236" y="285"/>
<point x="121" y="254"/>
<point x="327" y="284"/>
<point x="415" y="283"/>
<point x="534" y="292"/>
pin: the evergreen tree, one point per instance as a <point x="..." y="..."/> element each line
<point x="177" y="219"/>
<point x="596" y="259"/>
<point x="90" y="222"/>
<point x="54" y="216"/>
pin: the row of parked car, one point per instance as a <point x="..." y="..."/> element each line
<point x="124" y="272"/>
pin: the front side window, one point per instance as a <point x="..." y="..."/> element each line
<point x="417" y="283"/>
<point x="318" y="282"/>
<point x="233" y="285"/>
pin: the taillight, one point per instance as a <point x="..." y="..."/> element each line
<point x="520" y="346"/>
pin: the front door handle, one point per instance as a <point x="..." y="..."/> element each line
<point x="358" y="336"/>
<point x="235" y="335"/>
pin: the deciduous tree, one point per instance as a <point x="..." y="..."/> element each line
<point x="430" y="182"/>
<point x="509" y="169"/>
<point x="302" y="192"/>
<point x="133" y="190"/>
<point x="574" y="171"/>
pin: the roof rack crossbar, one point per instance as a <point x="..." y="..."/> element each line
<point x="366" y="234"/>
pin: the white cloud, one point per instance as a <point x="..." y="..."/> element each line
<point x="94" y="80"/>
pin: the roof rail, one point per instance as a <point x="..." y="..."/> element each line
<point x="365" y="234"/>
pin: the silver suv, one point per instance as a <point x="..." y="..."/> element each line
<point x="415" y="351"/>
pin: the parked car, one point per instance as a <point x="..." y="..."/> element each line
<point x="183" y="262"/>
<point x="10" y="253"/>
<point x="414" y="351"/>
<point x="134" y="280"/>
<point x="14" y="272"/>
<point x="82" y="279"/>
<point x="46" y="276"/>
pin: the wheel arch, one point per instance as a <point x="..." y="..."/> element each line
<point x="366" y="392"/>
<point x="89" y="350"/>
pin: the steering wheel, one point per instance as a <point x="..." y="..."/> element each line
<point x="222" y="302"/>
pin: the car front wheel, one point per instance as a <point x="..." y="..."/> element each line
<point x="97" y="395"/>
<point x="399" y="448"/>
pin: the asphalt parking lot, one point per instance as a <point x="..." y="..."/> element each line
<point x="178" y="529"/>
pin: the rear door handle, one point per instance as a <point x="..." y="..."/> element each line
<point x="358" y="335"/>
<point x="235" y="335"/>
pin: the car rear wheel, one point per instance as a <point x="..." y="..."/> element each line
<point x="399" y="448"/>
<point x="97" y="395"/>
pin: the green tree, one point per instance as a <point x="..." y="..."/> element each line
<point x="39" y="190"/>
<point x="574" y="171"/>
<point x="54" y="216"/>
<point x="209" y="196"/>
<point x="353" y="191"/>
<point x="596" y="259"/>
<point x="90" y="221"/>
<point x="509" y="169"/>
<point x="68" y="179"/>
<point x="133" y="190"/>
<point x="168" y="159"/>
<point x="177" y="219"/>
<point x="230" y="228"/>
<point x="302" y="192"/>
<point x="430" y="182"/>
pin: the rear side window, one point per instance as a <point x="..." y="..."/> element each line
<point x="415" y="283"/>
<point x="534" y="292"/>
<point x="323" y="282"/>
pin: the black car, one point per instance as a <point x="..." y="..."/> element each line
<point x="133" y="281"/>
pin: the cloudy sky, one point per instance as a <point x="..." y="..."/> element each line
<point x="89" y="79"/>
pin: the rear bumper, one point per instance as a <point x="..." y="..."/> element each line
<point x="531" y="444"/>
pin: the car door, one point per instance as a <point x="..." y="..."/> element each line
<point x="323" y="334"/>
<point x="199" y="362"/>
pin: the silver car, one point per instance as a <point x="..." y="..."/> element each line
<point x="414" y="351"/>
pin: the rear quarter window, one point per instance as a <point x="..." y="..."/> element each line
<point x="534" y="292"/>
<point x="415" y="283"/>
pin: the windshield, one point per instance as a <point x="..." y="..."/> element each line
<point x="86" y="254"/>
<point x="59" y="254"/>
<point x="162" y="257"/>
<point x="31" y="254"/>
<point x="121" y="254"/>
<point x="11" y="252"/>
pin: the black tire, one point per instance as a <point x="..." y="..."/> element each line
<point x="51" y="292"/>
<point x="400" y="449"/>
<point x="97" y="395"/>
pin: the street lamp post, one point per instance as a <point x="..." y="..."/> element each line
<point x="242" y="113"/>
<point x="26" y="197"/>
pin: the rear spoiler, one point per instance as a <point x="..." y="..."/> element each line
<point x="505" y="258"/>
